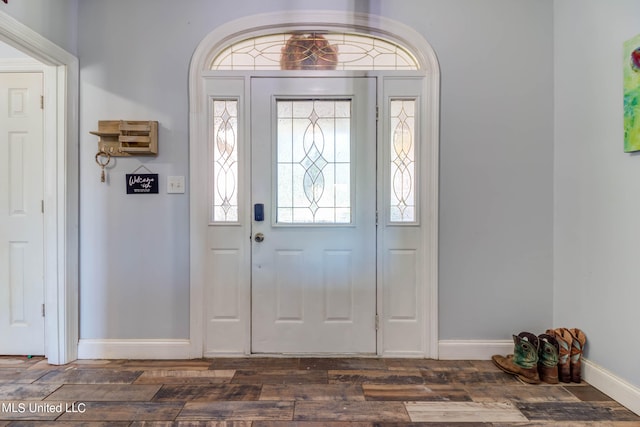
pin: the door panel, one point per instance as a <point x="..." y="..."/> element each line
<point x="314" y="169"/>
<point x="21" y="221"/>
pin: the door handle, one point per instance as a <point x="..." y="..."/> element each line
<point x="259" y="237"/>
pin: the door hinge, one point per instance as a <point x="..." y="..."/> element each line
<point x="377" y="112"/>
<point x="376" y="218"/>
<point x="42" y="206"/>
<point x="42" y="310"/>
<point x="377" y="322"/>
<point x="42" y="102"/>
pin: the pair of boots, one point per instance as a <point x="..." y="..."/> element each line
<point x="551" y="357"/>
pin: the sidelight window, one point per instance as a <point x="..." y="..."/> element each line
<point x="224" y="149"/>
<point x="403" y="160"/>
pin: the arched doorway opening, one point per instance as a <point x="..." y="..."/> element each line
<point x="300" y="244"/>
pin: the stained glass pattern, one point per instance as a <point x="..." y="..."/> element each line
<point x="403" y="174"/>
<point x="314" y="162"/>
<point x="313" y="51"/>
<point x="225" y="161"/>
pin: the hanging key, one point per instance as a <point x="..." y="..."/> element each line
<point x="102" y="159"/>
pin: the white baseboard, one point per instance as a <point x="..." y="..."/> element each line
<point x="611" y="385"/>
<point x="134" y="349"/>
<point x="473" y="349"/>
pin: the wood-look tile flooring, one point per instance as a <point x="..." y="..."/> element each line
<point x="264" y="392"/>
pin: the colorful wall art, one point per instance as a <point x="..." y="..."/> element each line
<point x="631" y="67"/>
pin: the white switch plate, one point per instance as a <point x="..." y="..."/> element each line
<point x="175" y="184"/>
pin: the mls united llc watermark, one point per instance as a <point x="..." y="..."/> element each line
<point x="42" y="407"/>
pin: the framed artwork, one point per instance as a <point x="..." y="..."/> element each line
<point x="631" y="67"/>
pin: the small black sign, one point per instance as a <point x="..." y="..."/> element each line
<point x="142" y="183"/>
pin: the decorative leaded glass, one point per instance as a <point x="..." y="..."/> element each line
<point x="314" y="161"/>
<point x="315" y="51"/>
<point x="403" y="174"/>
<point x="225" y="161"/>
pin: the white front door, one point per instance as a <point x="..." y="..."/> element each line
<point x="21" y="219"/>
<point x="313" y="150"/>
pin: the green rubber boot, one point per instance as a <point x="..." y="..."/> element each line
<point x="523" y="363"/>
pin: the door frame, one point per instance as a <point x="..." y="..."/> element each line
<point x="61" y="80"/>
<point x="199" y="76"/>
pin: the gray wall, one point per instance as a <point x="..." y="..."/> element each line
<point x="56" y="20"/>
<point x="496" y="164"/>
<point x="596" y="185"/>
<point x="496" y="159"/>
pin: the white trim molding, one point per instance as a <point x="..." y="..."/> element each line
<point x="613" y="386"/>
<point x="134" y="349"/>
<point x="473" y="349"/>
<point x="61" y="81"/>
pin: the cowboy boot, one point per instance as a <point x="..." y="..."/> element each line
<point x="523" y="363"/>
<point x="548" y="358"/>
<point x="565" y="340"/>
<point x="577" y="348"/>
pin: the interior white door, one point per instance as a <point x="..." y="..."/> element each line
<point x="313" y="153"/>
<point x="21" y="219"/>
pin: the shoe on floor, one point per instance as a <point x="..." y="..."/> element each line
<point x="548" y="358"/>
<point x="523" y="363"/>
<point x="579" y="339"/>
<point x="565" y="341"/>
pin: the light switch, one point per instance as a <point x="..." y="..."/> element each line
<point x="175" y="184"/>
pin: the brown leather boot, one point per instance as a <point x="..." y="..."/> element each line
<point x="548" y="358"/>
<point x="523" y="363"/>
<point x="563" y="336"/>
<point x="579" y="339"/>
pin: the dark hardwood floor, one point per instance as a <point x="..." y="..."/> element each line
<point x="264" y="392"/>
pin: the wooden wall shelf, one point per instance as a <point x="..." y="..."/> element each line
<point x="127" y="138"/>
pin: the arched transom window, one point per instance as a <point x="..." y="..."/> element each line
<point x="315" y="51"/>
